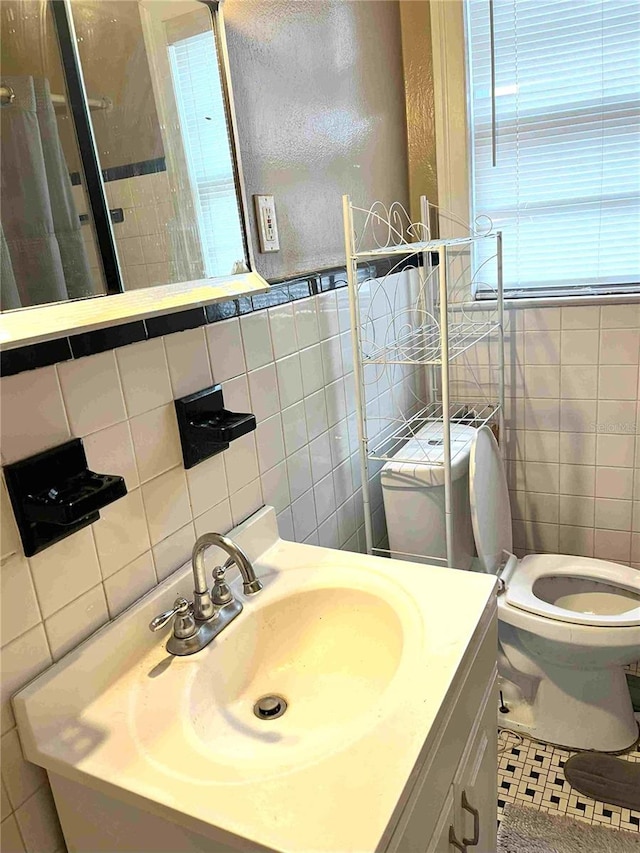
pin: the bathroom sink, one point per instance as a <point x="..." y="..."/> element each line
<point x="356" y="656"/>
<point x="330" y="648"/>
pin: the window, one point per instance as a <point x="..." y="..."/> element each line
<point x="565" y="189"/>
<point x="200" y="105"/>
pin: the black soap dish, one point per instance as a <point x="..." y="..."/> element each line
<point x="54" y="494"/>
<point x="206" y="427"/>
<point x="80" y="496"/>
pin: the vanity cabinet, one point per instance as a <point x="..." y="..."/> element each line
<point x="468" y="817"/>
<point x="160" y="755"/>
<point x="453" y="795"/>
<point x="453" y="804"/>
<point x="475" y="787"/>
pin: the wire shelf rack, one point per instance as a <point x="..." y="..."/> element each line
<point x="423" y="433"/>
<point x="423" y="345"/>
<point x="409" y="322"/>
<point x="418" y="247"/>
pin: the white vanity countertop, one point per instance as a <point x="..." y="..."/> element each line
<point x="81" y="719"/>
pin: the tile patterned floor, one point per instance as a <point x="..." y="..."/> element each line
<point x="530" y="773"/>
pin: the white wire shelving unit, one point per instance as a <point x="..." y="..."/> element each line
<point x="411" y="336"/>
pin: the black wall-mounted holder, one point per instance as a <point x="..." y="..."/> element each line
<point x="54" y="494"/>
<point x="206" y="427"/>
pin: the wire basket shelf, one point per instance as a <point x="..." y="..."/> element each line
<point x="424" y="431"/>
<point x="418" y="247"/>
<point x="423" y="345"/>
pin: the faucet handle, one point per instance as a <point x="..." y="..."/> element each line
<point x="220" y="592"/>
<point x="180" y="606"/>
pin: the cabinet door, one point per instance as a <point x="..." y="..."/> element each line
<point x="440" y="839"/>
<point x="476" y="784"/>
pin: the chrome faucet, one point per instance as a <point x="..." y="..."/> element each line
<point x="250" y="582"/>
<point x="195" y="625"/>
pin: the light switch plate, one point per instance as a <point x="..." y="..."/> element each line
<point x="267" y="224"/>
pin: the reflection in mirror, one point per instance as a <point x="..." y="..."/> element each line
<point x="47" y="237"/>
<point x="164" y="145"/>
<point x="159" y="118"/>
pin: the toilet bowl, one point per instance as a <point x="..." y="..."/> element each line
<point x="567" y="626"/>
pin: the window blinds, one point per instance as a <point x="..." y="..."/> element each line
<point x="205" y="138"/>
<point x="566" y="186"/>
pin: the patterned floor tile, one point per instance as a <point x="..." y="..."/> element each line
<point x="532" y="773"/>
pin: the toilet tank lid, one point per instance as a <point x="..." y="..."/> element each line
<point x="421" y="460"/>
<point x="489" y="498"/>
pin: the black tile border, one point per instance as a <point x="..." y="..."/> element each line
<point x="181" y="321"/>
<point x="101" y="340"/>
<point x="128" y="170"/>
<point x="221" y="311"/>
<point x="116" y="213"/>
<point x="14" y="361"/>
<point x="135" y="170"/>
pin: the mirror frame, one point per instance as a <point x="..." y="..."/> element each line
<point x="35" y="324"/>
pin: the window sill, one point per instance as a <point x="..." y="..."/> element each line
<point x="48" y="322"/>
<point x="558" y="301"/>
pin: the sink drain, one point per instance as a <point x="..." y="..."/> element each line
<point x="270" y="707"/>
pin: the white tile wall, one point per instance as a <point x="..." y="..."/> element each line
<point x="291" y="365"/>
<point x="573" y="421"/>
<point x="144" y="238"/>
<point x="32" y="399"/>
<point x="88" y="411"/>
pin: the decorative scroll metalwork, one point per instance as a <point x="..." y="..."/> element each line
<point x="381" y="227"/>
<point x="414" y="326"/>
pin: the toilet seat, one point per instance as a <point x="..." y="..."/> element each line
<point x="489" y="501"/>
<point x="520" y="588"/>
<point x="491" y="519"/>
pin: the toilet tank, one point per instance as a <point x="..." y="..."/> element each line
<point x="413" y="495"/>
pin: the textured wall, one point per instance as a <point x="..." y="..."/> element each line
<point x="319" y="98"/>
<point x="415" y="20"/>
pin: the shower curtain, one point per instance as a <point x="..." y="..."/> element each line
<point x="43" y="258"/>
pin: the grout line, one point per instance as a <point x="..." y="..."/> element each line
<point x="62" y="397"/>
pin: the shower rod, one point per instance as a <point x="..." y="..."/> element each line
<point x="8" y="96"/>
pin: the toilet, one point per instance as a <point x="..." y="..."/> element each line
<point x="567" y="626"/>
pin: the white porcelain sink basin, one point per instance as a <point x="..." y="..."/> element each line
<point x="365" y="652"/>
<point x="330" y="647"/>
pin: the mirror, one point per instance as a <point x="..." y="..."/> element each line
<point x="160" y="121"/>
<point x="48" y="247"/>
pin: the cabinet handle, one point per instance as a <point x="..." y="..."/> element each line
<point x="453" y="840"/>
<point x="471" y="842"/>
